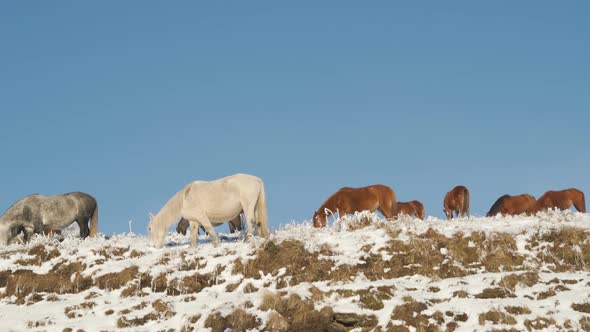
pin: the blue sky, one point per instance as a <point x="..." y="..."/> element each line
<point x="129" y="101"/>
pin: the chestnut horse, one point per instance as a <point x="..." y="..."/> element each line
<point x="412" y="208"/>
<point x="511" y="205"/>
<point x="562" y="199"/>
<point x="457" y="200"/>
<point x="349" y="200"/>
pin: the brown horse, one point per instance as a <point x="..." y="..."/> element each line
<point x="412" y="208"/>
<point x="562" y="199"/>
<point x="349" y="200"/>
<point x="457" y="200"/>
<point x="511" y="205"/>
<point x="235" y="225"/>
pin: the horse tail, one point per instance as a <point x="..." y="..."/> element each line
<point x="94" y="222"/>
<point x="495" y="209"/>
<point x="394" y="206"/>
<point x="466" y="202"/>
<point x="580" y="203"/>
<point x="421" y="210"/>
<point x="261" y="214"/>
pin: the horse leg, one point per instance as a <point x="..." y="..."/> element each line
<point x="209" y="229"/>
<point x="202" y="220"/>
<point x="386" y="209"/>
<point x="84" y="230"/>
<point x="27" y="233"/>
<point x="194" y="231"/>
<point x="250" y="220"/>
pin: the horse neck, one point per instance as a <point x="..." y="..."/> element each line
<point x="171" y="210"/>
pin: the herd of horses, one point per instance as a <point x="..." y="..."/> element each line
<point x="205" y="204"/>
<point x="455" y="204"/>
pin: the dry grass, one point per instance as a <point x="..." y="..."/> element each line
<point x="539" y="323"/>
<point x="496" y="317"/>
<point x="300" y="264"/>
<point x="78" y="310"/>
<point x="411" y="314"/>
<point x="276" y="322"/>
<point x="494" y="293"/>
<point x="21" y="283"/>
<point x="512" y="280"/>
<point x="238" y="320"/>
<point x="515" y="310"/>
<point x="581" y="307"/>
<point x="116" y="280"/>
<point x="558" y="248"/>
<point x="300" y="315"/>
<point x="40" y="256"/>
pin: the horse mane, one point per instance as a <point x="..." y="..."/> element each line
<point x="168" y="214"/>
<point x="496" y="207"/>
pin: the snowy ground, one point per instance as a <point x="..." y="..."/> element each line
<point x="520" y="273"/>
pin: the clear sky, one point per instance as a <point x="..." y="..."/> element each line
<point x="131" y="100"/>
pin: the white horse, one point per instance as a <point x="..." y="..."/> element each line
<point x="209" y="203"/>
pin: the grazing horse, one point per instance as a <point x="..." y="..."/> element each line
<point x="412" y="208"/>
<point x="235" y="225"/>
<point x="349" y="200"/>
<point x="212" y="203"/>
<point x="457" y="200"/>
<point x="41" y="214"/>
<point x="511" y="205"/>
<point x="562" y="199"/>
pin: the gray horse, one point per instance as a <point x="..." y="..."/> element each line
<point x="41" y="214"/>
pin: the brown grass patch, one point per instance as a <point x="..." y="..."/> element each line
<point x="276" y="322"/>
<point x="238" y="320"/>
<point x="40" y="255"/>
<point x="581" y="307"/>
<point x="113" y="253"/>
<point x="300" y="315"/>
<point x="116" y="280"/>
<point x="515" y="310"/>
<point x="558" y="248"/>
<point x="162" y="310"/>
<point x="24" y="282"/>
<point x="411" y="313"/>
<point x="494" y="293"/>
<point x="512" y="280"/>
<point x="539" y="323"/>
<point x="160" y="283"/>
<point x="585" y="323"/>
<point x="461" y="294"/>
<point x="187" y="285"/>
<point x="39" y="323"/>
<point x="249" y="288"/>
<point x="133" y="290"/>
<point x="496" y="317"/>
<point x="547" y="294"/>
<point x="300" y="264"/>
<point x="78" y="310"/>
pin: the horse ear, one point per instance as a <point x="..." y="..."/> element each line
<point x="151" y="216"/>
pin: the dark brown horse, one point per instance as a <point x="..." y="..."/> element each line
<point x="349" y="200"/>
<point x="457" y="200"/>
<point x="235" y="225"/>
<point x="562" y="199"/>
<point x="511" y="205"/>
<point x="412" y="208"/>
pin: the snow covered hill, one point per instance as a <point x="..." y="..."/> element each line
<point x="363" y="274"/>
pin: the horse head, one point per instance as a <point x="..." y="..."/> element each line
<point x="319" y="220"/>
<point x="448" y="213"/>
<point x="156" y="232"/>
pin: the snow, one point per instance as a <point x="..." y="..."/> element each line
<point x="344" y="242"/>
